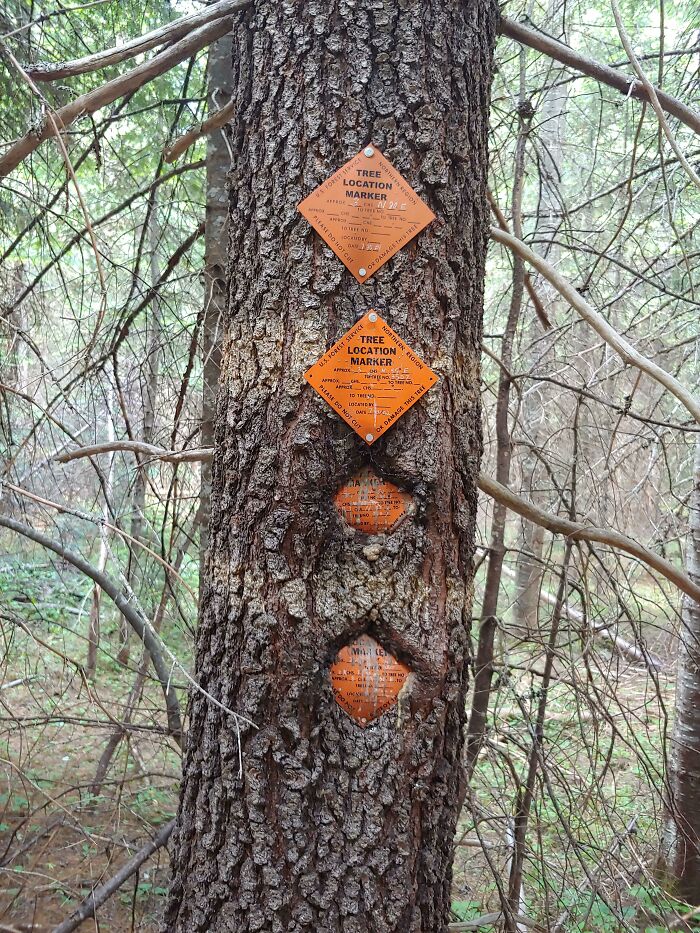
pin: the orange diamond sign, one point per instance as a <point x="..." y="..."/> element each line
<point x="370" y="377"/>
<point x="371" y="504"/>
<point x="366" y="679"/>
<point x="366" y="212"/>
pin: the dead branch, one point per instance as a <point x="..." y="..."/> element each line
<point x="534" y="297"/>
<point x="138" y="447"/>
<point x="578" y="532"/>
<point x="560" y="52"/>
<point x="127" y="609"/>
<point x="218" y="119"/>
<point x="487" y="485"/>
<point x="112" y="90"/>
<point x="171" y="32"/>
<point x="99" y="895"/>
<point x="596" y="320"/>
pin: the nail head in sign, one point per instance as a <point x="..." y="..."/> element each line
<point x="366" y="679"/>
<point x="370" y="377"/>
<point x="366" y="212"/>
<point x="371" y="504"/>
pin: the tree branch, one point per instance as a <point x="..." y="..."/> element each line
<point x="596" y="320"/>
<point x="138" y="447"/>
<point x="578" y="532"/>
<point x="98" y="896"/>
<point x="121" y="601"/>
<point x="560" y="52"/>
<point x="112" y="90"/>
<point x="214" y="122"/>
<point x="171" y="32"/>
<point x="487" y="485"/>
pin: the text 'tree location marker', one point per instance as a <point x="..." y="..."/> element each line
<point x="370" y="377"/>
<point x="366" y="679"/>
<point x="371" y="504"/>
<point x="366" y="212"/>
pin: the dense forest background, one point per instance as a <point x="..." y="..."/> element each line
<point x="584" y="641"/>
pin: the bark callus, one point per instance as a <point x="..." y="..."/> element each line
<point x="367" y="679"/>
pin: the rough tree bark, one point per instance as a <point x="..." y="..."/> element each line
<point x="332" y="827"/>
<point x="681" y="852"/>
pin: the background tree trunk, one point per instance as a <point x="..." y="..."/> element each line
<point x="332" y="827"/>
<point x="219" y="74"/>
<point x="681" y="855"/>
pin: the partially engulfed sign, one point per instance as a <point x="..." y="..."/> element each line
<point x="366" y="212"/>
<point x="371" y="504"/>
<point x="366" y="679"/>
<point x="370" y="377"/>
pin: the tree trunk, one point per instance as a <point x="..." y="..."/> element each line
<point x="219" y="74"/>
<point x="681" y="857"/>
<point x="333" y="827"/>
<point x="550" y="127"/>
<point x="138" y="562"/>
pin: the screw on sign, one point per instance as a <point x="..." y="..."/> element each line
<point x="366" y="679"/>
<point x="366" y="212"/>
<point x="371" y="504"/>
<point x="370" y="377"/>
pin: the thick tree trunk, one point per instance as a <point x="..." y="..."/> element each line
<point x="332" y="827"/>
<point x="681" y="855"/>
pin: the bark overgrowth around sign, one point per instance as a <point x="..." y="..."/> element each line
<point x="331" y="826"/>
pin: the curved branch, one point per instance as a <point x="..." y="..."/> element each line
<point x="578" y="532"/>
<point x="596" y="320"/>
<point x="633" y="87"/>
<point x="112" y="90"/>
<point x="171" y="32"/>
<point x="121" y="601"/>
<point x="213" y="122"/>
<point x="138" y="447"/>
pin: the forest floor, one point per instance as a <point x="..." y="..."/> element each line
<point x="58" y="838"/>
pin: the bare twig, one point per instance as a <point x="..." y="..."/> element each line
<point x="218" y="119"/>
<point x="603" y="73"/>
<point x="171" y="32"/>
<point x="578" y="532"/>
<point x="112" y="90"/>
<point x="99" y="895"/>
<point x="596" y="320"/>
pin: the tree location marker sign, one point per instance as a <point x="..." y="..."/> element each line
<point x="366" y="679"/>
<point x="366" y="212"/>
<point x="371" y="504"/>
<point x="370" y="377"/>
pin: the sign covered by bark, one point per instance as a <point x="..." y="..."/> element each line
<point x="366" y="679"/>
<point x="371" y="504"/>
